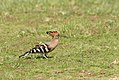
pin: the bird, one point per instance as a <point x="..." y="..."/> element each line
<point x="46" y="47"/>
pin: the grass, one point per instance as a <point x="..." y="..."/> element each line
<point x="89" y="42"/>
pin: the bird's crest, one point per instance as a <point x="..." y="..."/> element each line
<point x="53" y="33"/>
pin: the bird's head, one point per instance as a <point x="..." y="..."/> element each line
<point x="54" y="34"/>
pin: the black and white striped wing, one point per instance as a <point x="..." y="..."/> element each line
<point x="42" y="48"/>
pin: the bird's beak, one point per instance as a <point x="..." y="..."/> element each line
<point x="47" y="32"/>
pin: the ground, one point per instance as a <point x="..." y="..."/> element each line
<point x="89" y="39"/>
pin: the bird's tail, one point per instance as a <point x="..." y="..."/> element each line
<point x="34" y="50"/>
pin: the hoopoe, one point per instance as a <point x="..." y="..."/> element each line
<point x="46" y="47"/>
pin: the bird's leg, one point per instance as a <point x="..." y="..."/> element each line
<point x="45" y="56"/>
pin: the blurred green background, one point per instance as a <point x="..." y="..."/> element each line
<point x="89" y="39"/>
